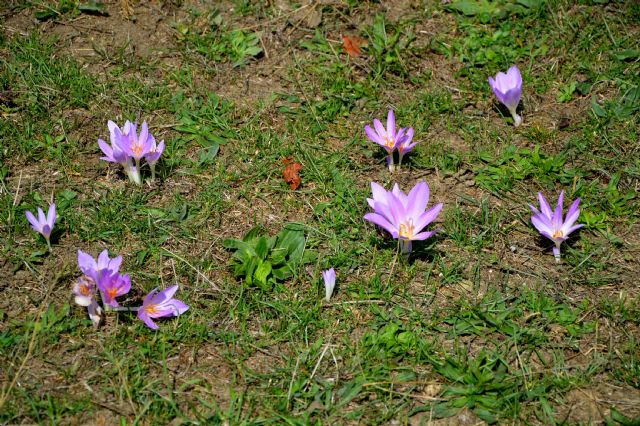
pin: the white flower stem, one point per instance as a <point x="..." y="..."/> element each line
<point x="392" y="167"/>
<point x="517" y="120"/>
<point x="133" y="172"/>
<point x="405" y="247"/>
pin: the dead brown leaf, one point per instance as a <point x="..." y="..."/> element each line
<point x="291" y="173"/>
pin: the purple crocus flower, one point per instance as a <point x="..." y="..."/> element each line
<point x="402" y="215"/>
<point x="388" y="137"/>
<point x="153" y="155"/>
<point x="111" y="285"/>
<point x="137" y="146"/>
<point x="508" y="89"/>
<point x="406" y="145"/>
<point x="84" y="290"/>
<point x="92" y="268"/>
<point x="85" y="295"/>
<point x="116" y="152"/>
<point x="329" y="277"/>
<point x="43" y="224"/>
<point x="160" y="304"/>
<point x="551" y="225"/>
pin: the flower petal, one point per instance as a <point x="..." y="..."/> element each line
<point x="545" y="208"/>
<point x="391" y="124"/>
<point x="33" y="221"/>
<point x="382" y="222"/>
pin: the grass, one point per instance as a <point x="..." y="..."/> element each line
<point x="479" y="323"/>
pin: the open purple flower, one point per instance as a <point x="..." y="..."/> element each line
<point x="388" y="137"/>
<point x="159" y="304"/>
<point x="508" y="89"/>
<point x="92" y="268"/>
<point x="43" y="224"/>
<point x="402" y="215"/>
<point x="111" y="285"/>
<point x="552" y="225"/>
<point x="329" y="277"/>
<point x="137" y="146"/>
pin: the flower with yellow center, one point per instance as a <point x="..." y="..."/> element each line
<point x="404" y="216"/>
<point x="551" y="223"/>
<point x="159" y="304"/>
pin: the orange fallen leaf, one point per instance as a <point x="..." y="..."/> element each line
<point x="352" y="45"/>
<point x="291" y="173"/>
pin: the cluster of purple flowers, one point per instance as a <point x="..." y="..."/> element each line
<point x="128" y="148"/>
<point x="404" y="216"/>
<point x="103" y="276"/>
<point x="391" y="139"/>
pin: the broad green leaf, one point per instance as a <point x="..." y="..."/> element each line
<point x="262" y="273"/>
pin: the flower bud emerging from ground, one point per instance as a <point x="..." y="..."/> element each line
<point x="508" y="89"/>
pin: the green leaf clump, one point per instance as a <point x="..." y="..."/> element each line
<point x="262" y="260"/>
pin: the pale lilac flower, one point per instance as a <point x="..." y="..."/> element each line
<point x="329" y="277"/>
<point x="551" y="224"/>
<point x="153" y="155"/>
<point x="402" y="215"/>
<point x="136" y="146"/>
<point x="92" y="269"/>
<point x="116" y="152"/>
<point x="84" y="290"/>
<point x="43" y="224"/>
<point x="85" y="295"/>
<point x="160" y="304"/>
<point x="508" y="89"/>
<point x="111" y="285"/>
<point x="388" y="137"/>
<point x="405" y="145"/>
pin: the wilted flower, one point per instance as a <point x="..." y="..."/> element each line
<point x="388" y="138"/>
<point x="92" y="269"/>
<point x="84" y="290"/>
<point x="43" y="225"/>
<point x="551" y="225"/>
<point x="402" y="215"/>
<point x="95" y="313"/>
<point x="85" y="295"/>
<point x="160" y="304"/>
<point x="508" y="89"/>
<point x="329" y="277"/>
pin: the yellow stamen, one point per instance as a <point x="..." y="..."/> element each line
<point x="406" y="229"/>
<point x="389" y="142"/>
<point x="557" y="234"/>
<point x="84" y="289"/>
<point x="151" y="309"/>
<point x="113" y="292"/>
<point x="137" y="149"/>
